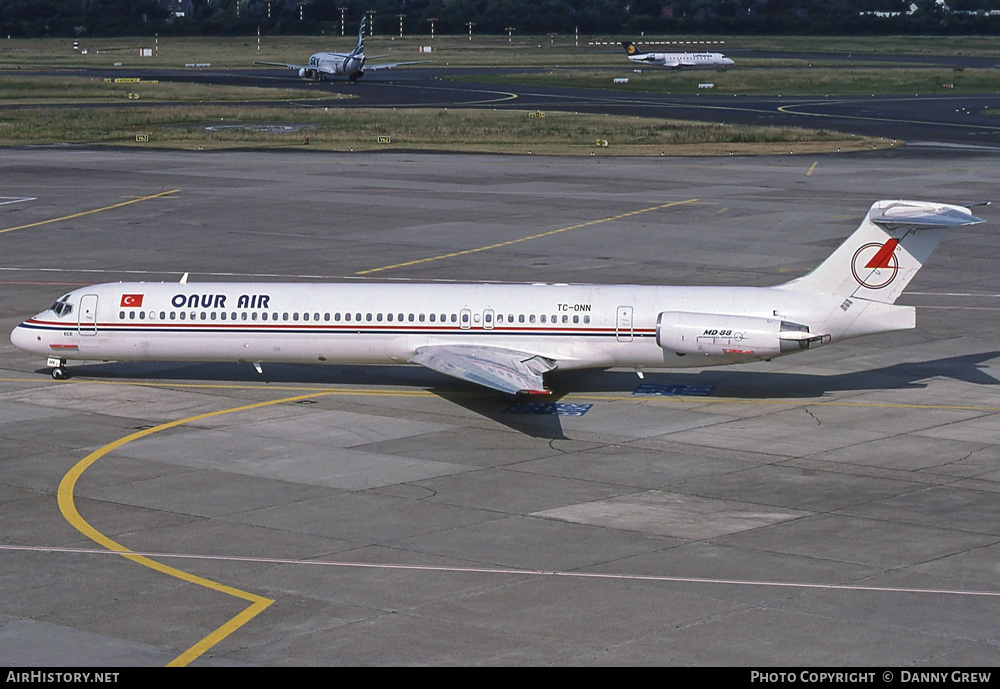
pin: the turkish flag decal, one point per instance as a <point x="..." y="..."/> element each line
<point x="132" y="300"/>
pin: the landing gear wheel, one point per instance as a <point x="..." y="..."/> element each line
<point x="60" y="373"/>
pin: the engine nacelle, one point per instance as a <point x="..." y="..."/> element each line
<point x="713" y="334"/>
<point x="303" y="73"/>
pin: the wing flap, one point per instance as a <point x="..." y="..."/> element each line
<point x="505" y="370"/>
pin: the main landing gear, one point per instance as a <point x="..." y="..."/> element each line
<point x="59" y="371"/>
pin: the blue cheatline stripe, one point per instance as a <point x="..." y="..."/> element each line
<point x="326" y="330"/>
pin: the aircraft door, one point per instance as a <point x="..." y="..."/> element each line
<point x="87" y="323"/>
<point x="488" y="319"/>
<point x="465" y="319"/>
<point x="623" y="324"/>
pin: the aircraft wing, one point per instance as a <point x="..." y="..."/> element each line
<point x="322" y="69"/>
<point x="506" y="370"/>
<point x="282" y="64"/>
<point x="390" y="65"/>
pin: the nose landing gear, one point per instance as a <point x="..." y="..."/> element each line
<point x="59" y="371"/>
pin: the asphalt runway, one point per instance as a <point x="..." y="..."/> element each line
<point x="935" y="119"/>
<point x="833" y="508"/>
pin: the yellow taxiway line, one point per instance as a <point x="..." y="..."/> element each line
<point x="498" y="245"/>
<point x="90" y="212"/>
<point x="67" y="506"/>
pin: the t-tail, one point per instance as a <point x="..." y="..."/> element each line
<point x="877" y="262"/>
<point x="630" y="48"/>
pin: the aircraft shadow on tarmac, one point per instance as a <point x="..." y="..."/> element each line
<point x="540" y="416"/>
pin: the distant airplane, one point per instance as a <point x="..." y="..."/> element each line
<point x="325" y="65"/>
<point x="503" y="336"/>
<point x="675" y="60"/>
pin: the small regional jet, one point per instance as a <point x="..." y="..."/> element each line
<point x="675" y="60"/>
<point x="503" y="336"/>
<point x="322" y="66"/>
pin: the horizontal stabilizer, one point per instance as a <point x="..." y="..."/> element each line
<point x="915" y="214"/>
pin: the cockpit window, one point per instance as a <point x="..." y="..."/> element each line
<point x="62" y="308"/>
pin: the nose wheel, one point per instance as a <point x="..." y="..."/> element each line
<point x="59" y="371"/>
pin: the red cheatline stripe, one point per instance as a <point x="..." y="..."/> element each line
<point x="881" y="259"/>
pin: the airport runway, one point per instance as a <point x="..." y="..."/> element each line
<point x="938" y="118"/>
<point x="834" y="508"/>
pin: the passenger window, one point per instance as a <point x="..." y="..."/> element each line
<point x="295" y="316"/>
<point x="214" y="315"/>
<point x="263" y="316"/>
<point x="315" y="316"/>
<point x="489" y="318"/>
<point x="388" y="317"/>
<point x="347" y="316"/>
<point x="543" y="318"/>
<point x="432" y="317"/>
<point x="183" y="315"/>
<point x="326" y="316"/>
<point x="253" y="316"/>
<point x="243" y="316"/>
<point x="586" y="319"/>
<point x="565" y="319"/>
<point x="576" y="319"/>
<point x="368" y="317"/>
<point x="378" y="317"/>
<point x="421" y="318"/>
<point x="411" y="318"/>
<point x="336" y="316"/>
<point x="173" y="315"/>
<point x="121" y="315"/>
<point x="305" y="316"/>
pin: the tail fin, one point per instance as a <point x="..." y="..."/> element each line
<point x="359" y="49"/>
<point x="630" y="48"/>
<point x="885" y="252"/>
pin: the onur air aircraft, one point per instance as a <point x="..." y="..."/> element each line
<point x="325" y="65"/>
<point x="503" y="336"/>
<point x="674" y="60"/>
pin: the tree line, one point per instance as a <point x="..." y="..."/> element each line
<point x="68" y="18"/>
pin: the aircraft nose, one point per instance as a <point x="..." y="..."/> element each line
<point x="23" y="338"/>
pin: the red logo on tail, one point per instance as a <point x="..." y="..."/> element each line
<point x="880" y="269"/>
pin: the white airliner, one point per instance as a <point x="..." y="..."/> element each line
<point x="352" y="65"/>
<point x="675" y="60"/>
<point x="503" y="336"/>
